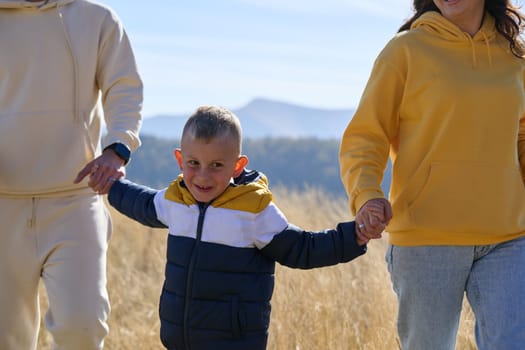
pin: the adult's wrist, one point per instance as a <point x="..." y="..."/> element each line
<point x="121" y="150"/>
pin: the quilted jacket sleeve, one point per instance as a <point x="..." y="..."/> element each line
<point x="296" y="248"/>
<point x="136" y="202"/>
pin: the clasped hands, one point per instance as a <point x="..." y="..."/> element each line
<point x="371" y="219"/>
<point x="103" y="171"/>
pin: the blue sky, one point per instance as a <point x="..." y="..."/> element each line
<point x="314" y="53"/>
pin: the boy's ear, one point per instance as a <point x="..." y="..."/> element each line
<point x="178" y="155"/>
<point x="240" y="165"/>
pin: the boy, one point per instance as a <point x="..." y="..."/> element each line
<point x="225" y="234"/>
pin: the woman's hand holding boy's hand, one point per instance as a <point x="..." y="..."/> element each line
<point x="371" y="219"/>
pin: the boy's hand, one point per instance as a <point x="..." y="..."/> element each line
<point x="361" y="239"/>
<point x="372" y="218"/>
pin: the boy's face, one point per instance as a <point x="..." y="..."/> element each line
<point x="208" y="166"/>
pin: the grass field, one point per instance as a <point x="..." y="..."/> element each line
<point x="344" y="307"/>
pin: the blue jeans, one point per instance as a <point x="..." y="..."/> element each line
<point x="430" y="282"/>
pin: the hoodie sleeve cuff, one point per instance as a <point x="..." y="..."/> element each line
<point x="364" y="197"/>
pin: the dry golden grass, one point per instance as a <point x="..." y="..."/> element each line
<point x="345" y="307"/>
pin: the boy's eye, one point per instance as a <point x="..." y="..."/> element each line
<point x="193" y="163"/>
<point x="216" y="165"/>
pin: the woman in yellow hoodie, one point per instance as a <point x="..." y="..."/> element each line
<point x="446" y="101"/>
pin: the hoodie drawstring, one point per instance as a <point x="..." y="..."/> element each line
<point x="473" y="49"/>
<point x="75" y="63"/>
<point x="487" y="45"/>
<point x="78" y="116"/>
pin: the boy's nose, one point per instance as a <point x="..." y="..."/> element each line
<point x="203" y="172"/>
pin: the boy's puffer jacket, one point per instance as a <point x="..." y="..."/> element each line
<point x="221" y="259"/>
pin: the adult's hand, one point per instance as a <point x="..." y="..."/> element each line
<point x="103" y="171"/>
<point x="372" y="218"/>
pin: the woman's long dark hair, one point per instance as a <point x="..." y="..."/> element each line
<point x="509" y="20"/>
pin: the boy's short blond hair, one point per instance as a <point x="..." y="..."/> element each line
<point x="209" y="122"/>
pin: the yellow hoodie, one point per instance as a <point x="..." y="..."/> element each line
<point x="449" y="109"/>
<point x="64" y="65"/>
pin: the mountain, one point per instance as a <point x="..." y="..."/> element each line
<point x="266" y="118"/>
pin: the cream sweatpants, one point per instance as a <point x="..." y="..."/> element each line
<point x="62" y="241"/>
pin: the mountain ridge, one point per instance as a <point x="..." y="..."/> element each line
<point x="262" y="118"/>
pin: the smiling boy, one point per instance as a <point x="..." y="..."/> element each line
<point x="225" y="235"/>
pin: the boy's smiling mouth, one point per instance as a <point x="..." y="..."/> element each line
<point x="204" y="188"/>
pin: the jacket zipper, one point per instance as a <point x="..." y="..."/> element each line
<point x="189" y="278"/>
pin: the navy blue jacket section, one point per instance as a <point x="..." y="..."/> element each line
<point x="135" y="201"/>
<point x="217" y="297"/>
<point x="230" y="296"/>
<point x="297" y="248"/>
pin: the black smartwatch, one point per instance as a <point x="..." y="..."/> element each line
<point x="121" y="150"/>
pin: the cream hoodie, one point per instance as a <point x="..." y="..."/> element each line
<point x="449" y="108"/>
<point x="64" y="65"/>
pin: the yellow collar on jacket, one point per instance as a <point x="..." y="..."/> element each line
<point x="252" y="197"/>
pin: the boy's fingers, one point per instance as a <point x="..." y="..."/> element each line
<point x="362" y="239"/>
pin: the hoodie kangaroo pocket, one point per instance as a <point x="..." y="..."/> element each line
<point x="470" y="197"/>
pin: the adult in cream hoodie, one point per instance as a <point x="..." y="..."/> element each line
<point x="64" y="65"/>
<point x="446" y="101"/>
